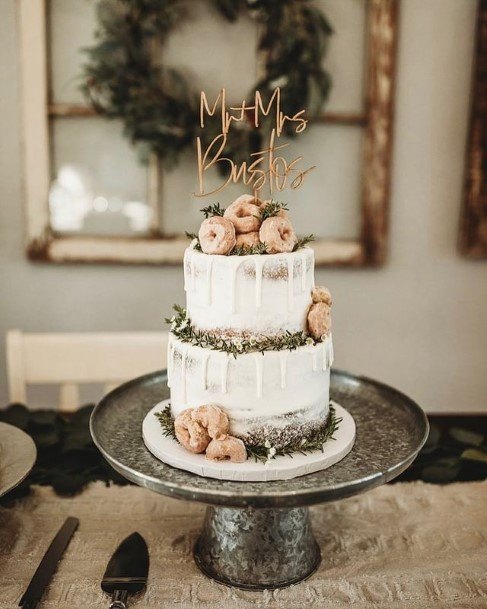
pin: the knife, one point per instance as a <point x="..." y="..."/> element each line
<point x="48" y="564"/>
<point x="126" y="571"/>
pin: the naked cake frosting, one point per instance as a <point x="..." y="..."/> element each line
<point x="249" y="356"/>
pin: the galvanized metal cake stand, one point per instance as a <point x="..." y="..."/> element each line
<point x="258" y="535"/>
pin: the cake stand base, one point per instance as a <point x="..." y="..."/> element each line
<point x="257" y="549"/>
<point x="258" y="534"/>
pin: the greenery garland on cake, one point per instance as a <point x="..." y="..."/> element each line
<point x="123" y="80"/>
<point x="182" y="329"/>
<point x="265" y="452"/>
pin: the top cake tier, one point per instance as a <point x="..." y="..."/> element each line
<point x="245" y="296"/>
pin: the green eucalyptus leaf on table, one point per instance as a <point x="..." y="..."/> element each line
<point x="78" y="439"/>
<point x="467" y="436"/>
<point x="433" y="439"/>
<point x="475" y="454"/>
<point x="442" y="471"/>
<point x="46" y="438"/>
<point x="68" y="484"/>
<point x="43" y="418"/>
<point x="15" y="414"/>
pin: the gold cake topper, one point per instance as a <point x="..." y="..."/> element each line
<point x="265" y="170"/>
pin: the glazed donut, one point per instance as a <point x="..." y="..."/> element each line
<point x="244" y="213"/>
<point x="247" y="239"/>
<point x="250" y="199"/>
<point x="213" y="419"/>
<point x="278" y="235"/>
<point x="226" y="448"/>
<point x="216" y="235"/>
<point x="319" y="320"/>
<point x="190" y="434"/>
<point x="321" y="294"/>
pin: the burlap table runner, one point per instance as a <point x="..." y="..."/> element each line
<point x="408" y="545"/>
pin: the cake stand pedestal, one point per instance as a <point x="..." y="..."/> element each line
<point x="258" y="535"/>
<point x="256" y="548"/>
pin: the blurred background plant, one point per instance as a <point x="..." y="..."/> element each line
<point x="124" y="77"/>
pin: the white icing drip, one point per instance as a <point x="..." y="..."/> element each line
<point x="252" y="378"/>
<point x="303" y="271"/>
<point x="183" y="371"/>
<point x="326" y="359"/>
<point x="315" y="360"/>
<point x="193" y="275"/>
<point x="185" y="270"/>
<point x="259" y="269"/>
<point x="204" y="370"/>
<point x="290" y="283"/>
<point x="332" y="354"/>
<point x="209" y="304"/>
<point x="259" y="368"/>
<point x="283" y="365"/>
<point x="170" y="361"/>
<point x="209" y="268"/>
<point x="224" y="372"/>
<point x="233" y="284"/>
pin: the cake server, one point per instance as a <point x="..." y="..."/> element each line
<point x="48" y="564"/>
<point x="127" y="570"/>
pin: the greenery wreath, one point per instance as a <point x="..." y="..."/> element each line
<point x="123" y="80"/>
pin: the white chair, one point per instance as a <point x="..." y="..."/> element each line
<point x="71" y="359"/>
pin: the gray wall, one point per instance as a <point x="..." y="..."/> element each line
<point x="419" y="323"/>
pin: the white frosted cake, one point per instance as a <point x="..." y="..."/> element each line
<point x="249" y="358"/>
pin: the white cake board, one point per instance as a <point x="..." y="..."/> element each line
<point x="169" y="451"/>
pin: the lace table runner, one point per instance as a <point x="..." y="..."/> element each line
<point x="409" y="545"/>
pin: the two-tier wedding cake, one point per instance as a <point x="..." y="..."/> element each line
<point x="249" y="358"/>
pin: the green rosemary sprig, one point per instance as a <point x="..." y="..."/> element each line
<point x="303" y="241"/>
<point x="194" y="237"/>
<point x="167" y="422"/>
<point x="314" y="442"/>
<point x="213" y="210"/>
<point x="181" y="328"/>
<point x="248" y="250"/>
<point x="265" y="452"/>
<point x="272" y="209"/>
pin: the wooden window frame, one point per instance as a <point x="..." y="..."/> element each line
<point x="473" y="221"/>
<point x="377" y="121"/>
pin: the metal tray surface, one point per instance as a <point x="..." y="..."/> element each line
<point x="391" y="429"/>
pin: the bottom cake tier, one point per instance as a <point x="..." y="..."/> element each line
<point x="270" y="396"/>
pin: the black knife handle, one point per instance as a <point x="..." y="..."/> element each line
<point x="119" y="599"/>
<point x="48" y="564"/>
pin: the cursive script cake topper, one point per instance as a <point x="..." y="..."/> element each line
<point x="266" y="169"/>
